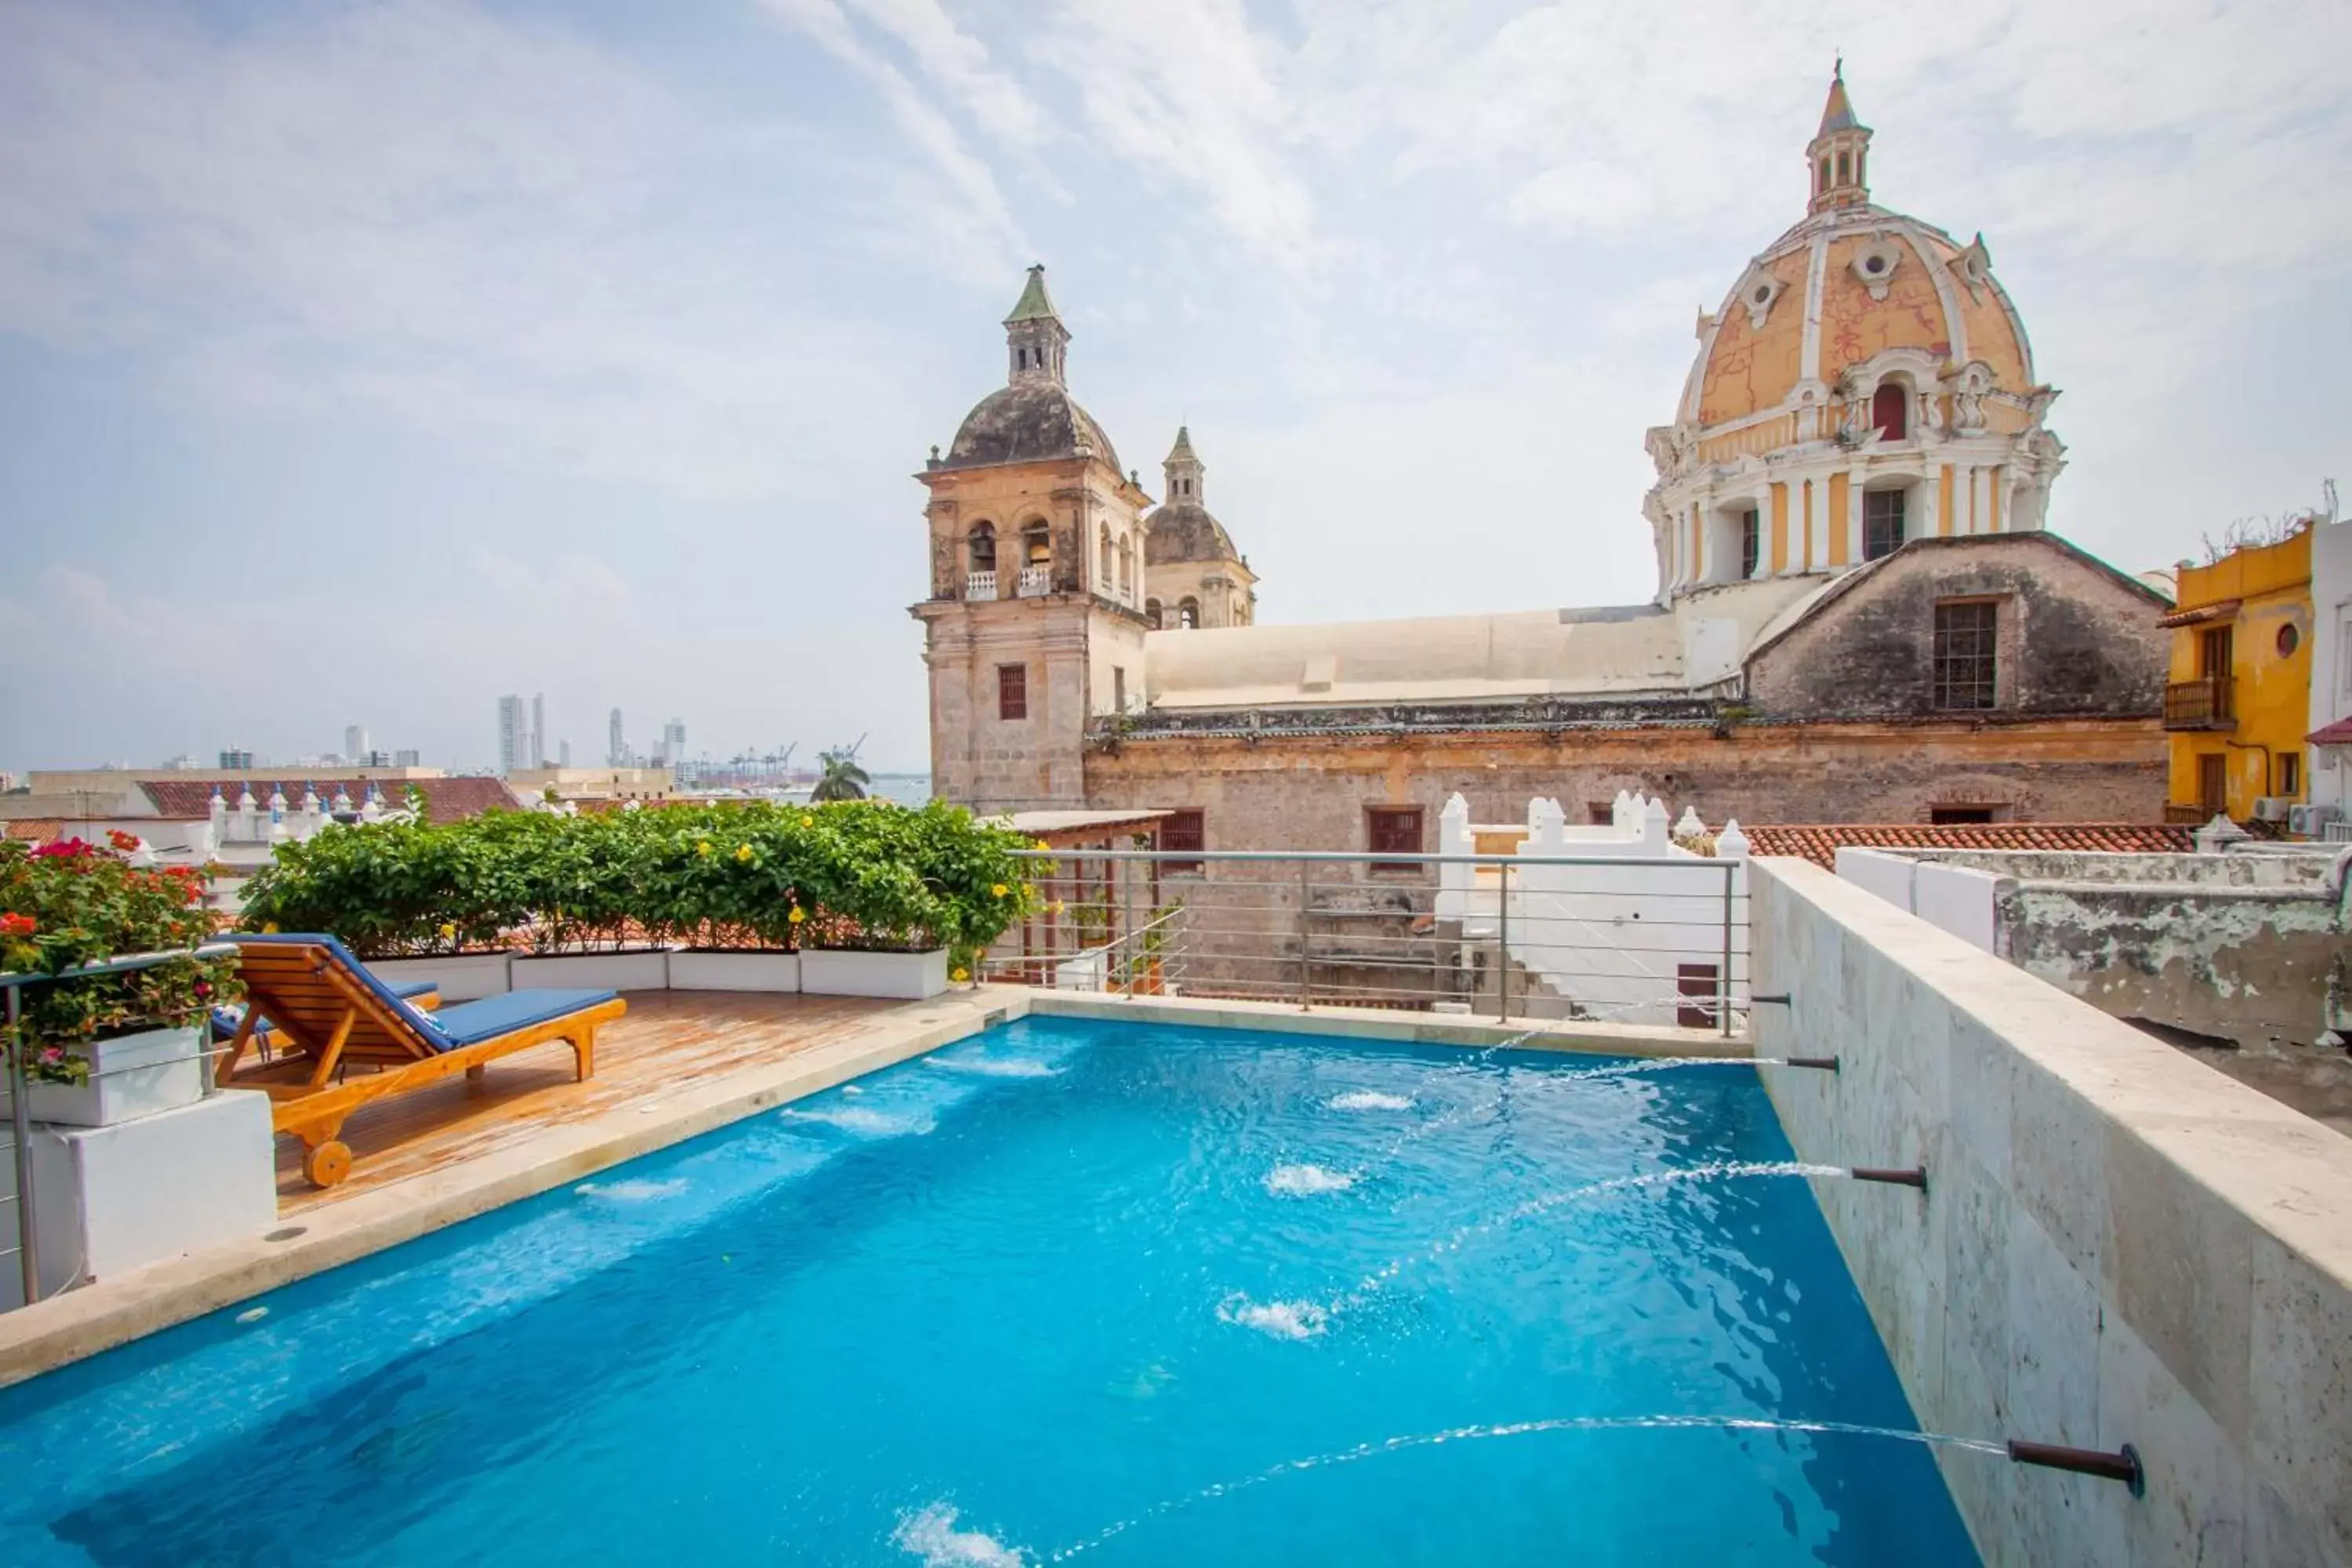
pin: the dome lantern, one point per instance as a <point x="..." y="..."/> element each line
<point x="1034" y="339"/>
<point x="1838" y="156"/>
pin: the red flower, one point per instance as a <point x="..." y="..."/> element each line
<point x="16" y="925"/>
<point x="204" y="989"/>
<point x="126" y="842"/>
<point x="64" y="849"/>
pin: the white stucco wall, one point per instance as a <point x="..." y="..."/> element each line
<point x="2331" y="659"/>
<point x="2116" y="1245"/>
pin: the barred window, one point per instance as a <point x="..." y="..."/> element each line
<point x="1394" y="830"/>
<point x="1182" y="830"/>
<point x="1882" y="523"/>
<point x="1965" y="634"/>
<point x="1013" y="691"/>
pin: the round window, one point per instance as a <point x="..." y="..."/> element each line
<point x="1875" y="264"/>
<point x="1763" y="294"/>
<point x="2289" y="640"/>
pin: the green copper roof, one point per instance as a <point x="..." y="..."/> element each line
<point x="1034" y="304"/>
<point x="1183" y="448"/>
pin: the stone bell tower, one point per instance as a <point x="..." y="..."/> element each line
<point x="1034" y="625"/>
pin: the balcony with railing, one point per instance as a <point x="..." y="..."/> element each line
<point x="980" y="585"/>
<point x="1036" y="582"/>
<point x="2209" y="702"/>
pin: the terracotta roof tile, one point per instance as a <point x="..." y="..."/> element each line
<point x="446" y="799"/>
<point x="2339" y="734"/>
<point x="1820" y="842"/>
<point x="34" y="830"/>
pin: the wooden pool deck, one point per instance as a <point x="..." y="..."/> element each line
<point x="667" y="1041"/>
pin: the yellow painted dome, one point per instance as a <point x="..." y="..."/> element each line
<point x="1848" y="283"/>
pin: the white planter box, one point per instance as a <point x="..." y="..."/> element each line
<point x="735" y="972"/>
<point x="462" y="976"/>
<point x="134" y="1076"/>
<point x="640" y="971"/>
<point x="908" y="975"/>
<point x="108" y="1199"/>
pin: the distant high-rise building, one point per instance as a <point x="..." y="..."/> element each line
<point x="411" y="758"/>
<point x="539" y="730"/>
<point x="563" y="754"/>
<point x="355" y="741"/>
<point x="239" y="761"/>
<point x="673" y="743"/>
<point x="616" y="742"/>
<point x="514" y="735"/>
<point x="370" y="760"/>
<point x="181" y="764"/>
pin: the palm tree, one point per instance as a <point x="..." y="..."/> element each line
<point x="843" y="779"/>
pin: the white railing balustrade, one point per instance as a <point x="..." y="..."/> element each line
<point x="1036" y="582"/>
<point x="980" y="585"/>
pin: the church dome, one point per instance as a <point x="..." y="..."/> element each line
<point x="1846" y="285"/>
<point x="1182" y="531"/>
<point x="1030" y="421"/>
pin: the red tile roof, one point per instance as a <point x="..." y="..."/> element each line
<point x="2336" y="735"/>
<point x="446" y="799"/>
<point x="33" y="829"/>
<point x="1820" y="842"/>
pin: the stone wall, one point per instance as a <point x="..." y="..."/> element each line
<point x="1275" y="791"/>
<point x="2074" y="636"/>
<point x="2116" y="1245"/>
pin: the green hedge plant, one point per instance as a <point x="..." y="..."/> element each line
<point x="866" y="875"/>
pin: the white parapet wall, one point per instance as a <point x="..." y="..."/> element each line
<point x="2117" y="1244"/>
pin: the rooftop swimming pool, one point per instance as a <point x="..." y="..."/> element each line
<point x="1116" y="1292"/>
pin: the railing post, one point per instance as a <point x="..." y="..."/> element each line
<point x="1127" y="902"/>
<point x="1723" y="1002"/>
<point x="1304" y="868"/>
<point x="28" y="1260"/>
<point x="1503" y="947"/>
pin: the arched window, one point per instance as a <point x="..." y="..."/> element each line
<point x="1152" y="613"/>
<point x="1126" y="570"/>
<point x="1103" y="585"/>
<point x="1844" y="166"/>
<point x="1825" y="176"/>
<point x="982" y="547"/>
<point x="1890" y="410"/>
<point x="1036" y="544"/>
<point x="1188" y="614"/>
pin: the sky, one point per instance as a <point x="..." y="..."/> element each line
<point x="362" y="362"/>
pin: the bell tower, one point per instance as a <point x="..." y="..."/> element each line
<point x="1033" y="628"/>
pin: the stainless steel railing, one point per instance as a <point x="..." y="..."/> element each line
<point x="1634" y="938"/>
<point x="20" y="1127"/>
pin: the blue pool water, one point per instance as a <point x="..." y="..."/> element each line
<point x="1116" y="1292"/>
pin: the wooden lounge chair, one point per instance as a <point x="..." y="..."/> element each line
<point x="344" y="1038"/>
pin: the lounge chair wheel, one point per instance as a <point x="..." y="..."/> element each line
<point x="327" y="1163"/>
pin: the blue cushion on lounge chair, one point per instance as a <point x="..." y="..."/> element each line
<point x="470" y="1022"/>
<point x="227" y="1019"/>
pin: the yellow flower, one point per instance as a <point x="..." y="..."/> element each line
<point x="808" y="822"/>
<point x="270" y="928"/>
<point x="1043" y="844"/>
<point x="961" y="975"/>
<point x="999" y="890"/>
<point x="1054" y="907"/>
<point x="702" y="846"/>
<point x="742" y="852"/>
<point x="448" y="932"/>
<point x="1028" y="890"/>
<point x="798" y="915"/>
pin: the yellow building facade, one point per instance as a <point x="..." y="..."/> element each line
<point x="2236" y="699"/>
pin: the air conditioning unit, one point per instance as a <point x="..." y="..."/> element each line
<point x="2272" y="808"/>
<point x="2310" y="821"/>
